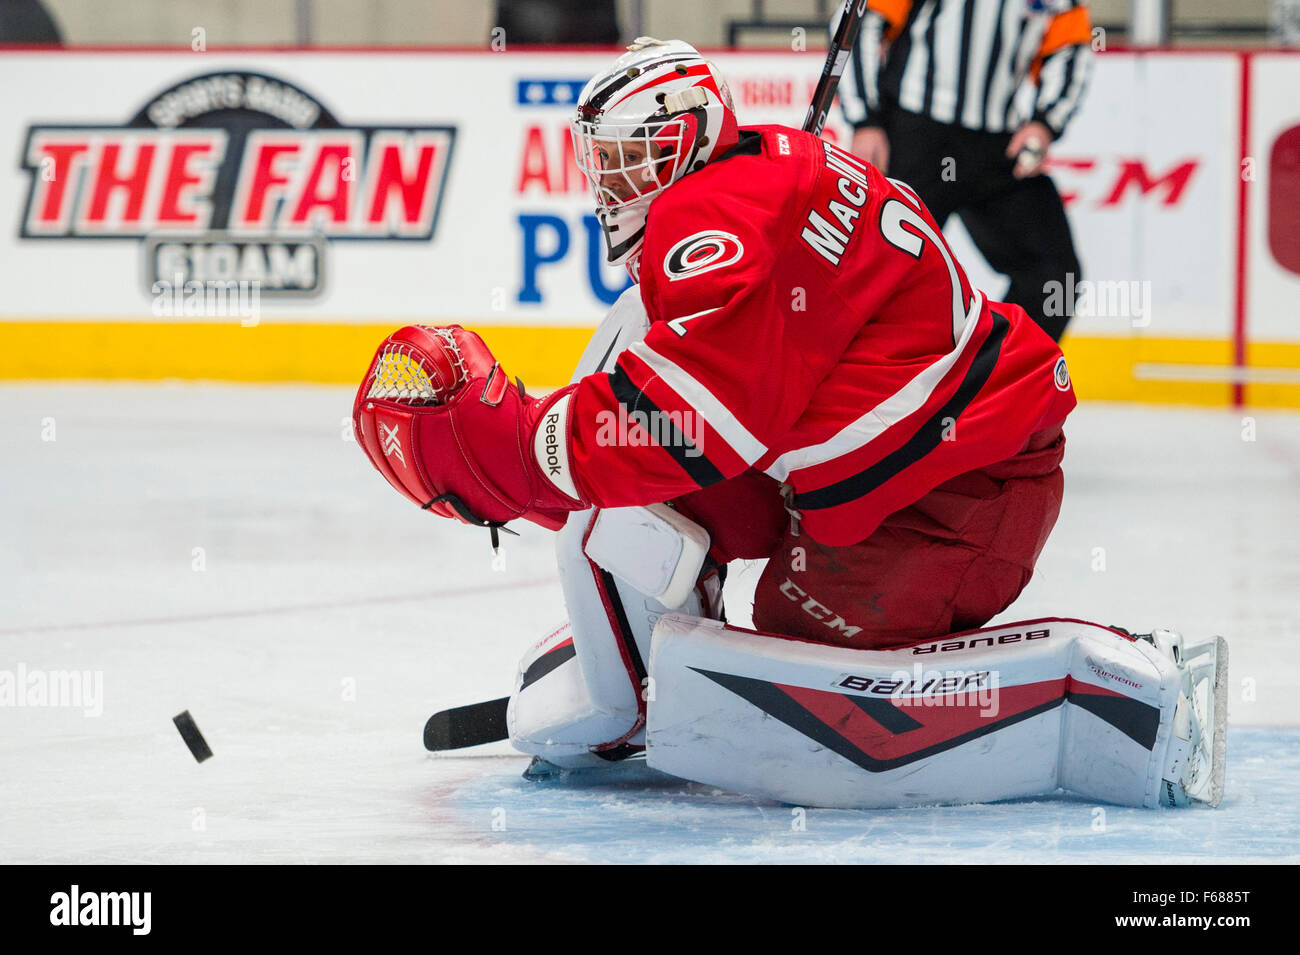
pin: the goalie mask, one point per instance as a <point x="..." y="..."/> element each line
<point x="660" y="112"/>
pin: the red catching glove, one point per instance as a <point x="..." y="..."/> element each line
<point x="442" y="422"/>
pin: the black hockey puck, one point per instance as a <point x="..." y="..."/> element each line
<point x="193" y="738"/>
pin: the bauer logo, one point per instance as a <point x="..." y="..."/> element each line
<point x="984" y="641"/>
<point x="235" y="176"/>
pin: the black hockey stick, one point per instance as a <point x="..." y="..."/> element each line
<point x="471" y="725"/>
<point x="837" y="55"/>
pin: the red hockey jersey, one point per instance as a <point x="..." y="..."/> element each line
<point x="808" y="320"/>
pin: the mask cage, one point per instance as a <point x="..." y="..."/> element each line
<point x="627" y="162"/>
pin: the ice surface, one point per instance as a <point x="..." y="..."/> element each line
<point x="329" y="619"/>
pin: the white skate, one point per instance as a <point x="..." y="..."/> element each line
<point x="1198" y="757"/>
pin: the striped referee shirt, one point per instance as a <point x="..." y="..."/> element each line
<point x="962" y="61"/>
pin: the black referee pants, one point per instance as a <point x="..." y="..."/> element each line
<point x="1018" y="224"/>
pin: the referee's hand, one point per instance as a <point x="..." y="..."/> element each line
<point x="1028" y="147"/>
<point x="871" y="143"/>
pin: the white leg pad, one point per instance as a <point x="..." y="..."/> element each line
<point x="582" y="690"/>
<point x="1019" y="710"/>
<point x="581" y="698"/>
<point x="551" y="710"/>
<point x="1121" y="692"/>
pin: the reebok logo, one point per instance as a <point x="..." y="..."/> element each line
<point x="551" y="447"/>
<point x="552" y="444"/>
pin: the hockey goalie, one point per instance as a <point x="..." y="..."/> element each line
<point x="803" y="374"/>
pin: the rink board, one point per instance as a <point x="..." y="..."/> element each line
<point x="130" y="169"/>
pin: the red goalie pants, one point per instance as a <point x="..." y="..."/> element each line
<point x="950" y="562"/>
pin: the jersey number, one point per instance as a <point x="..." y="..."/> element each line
<point x="679" y="324"/>
<point x="894" y="214"/>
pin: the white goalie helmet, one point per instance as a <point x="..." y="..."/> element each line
<point x="660" y="112"/>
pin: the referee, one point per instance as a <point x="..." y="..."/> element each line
<point x="931" y="93"/>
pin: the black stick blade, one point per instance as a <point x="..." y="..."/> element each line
<point x="471" y="725"/>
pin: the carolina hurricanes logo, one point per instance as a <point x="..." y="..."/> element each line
<point x="700" y="253"/>
<point x="392" y="445"/>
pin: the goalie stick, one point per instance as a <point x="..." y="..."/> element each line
<point x="464" y="726"/>
<point x="837" y="55"/>
<point x="485" y="722"/>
